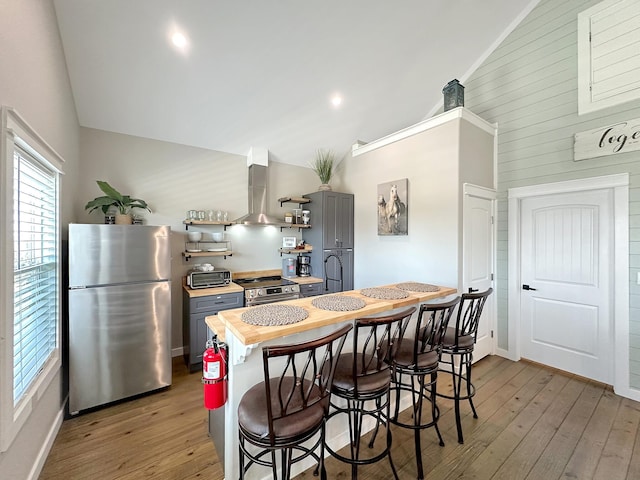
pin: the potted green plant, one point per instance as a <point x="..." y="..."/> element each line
<point x="323" y="164"/>
<point x="113" y="198"/>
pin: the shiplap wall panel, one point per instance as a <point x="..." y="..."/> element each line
<point x="506" y="93"/>
<point x="625" y="53"/>
<point x="529" y="86"/>
<point x="499" y="81"/>
<point x="557" y="24"/>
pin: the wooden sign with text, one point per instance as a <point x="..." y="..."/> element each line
<point x="620" y="137"/>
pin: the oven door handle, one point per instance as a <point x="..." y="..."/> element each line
<point x="273" y="299"/>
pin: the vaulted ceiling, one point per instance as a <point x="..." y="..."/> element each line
<point x="264" y="73"/>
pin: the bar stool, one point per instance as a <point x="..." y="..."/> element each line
<point x="459" y="342"/>
<point x="284" y="411"/>
<point x="417" y="358"/>
<point x="362" y="379"/>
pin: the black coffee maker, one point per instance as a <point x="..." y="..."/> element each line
<point x="304" y="266"/>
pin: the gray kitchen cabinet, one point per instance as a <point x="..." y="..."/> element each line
<point x="195" y="332"/>
<point x="338" y="264"/>
<point x="331" y="236"/>
<point x="311" y="289"/>
<point x="336" y="218"/>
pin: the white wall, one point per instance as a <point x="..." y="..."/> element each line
<point x="34" y="81"/>
<point x="430" y="160"/>
<point x="174" y="178"/>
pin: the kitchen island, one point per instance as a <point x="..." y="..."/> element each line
<point x="245" y="360"/>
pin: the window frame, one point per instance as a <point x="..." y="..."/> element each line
<point x="16" y="131"/>
<point x="586" y="104"/>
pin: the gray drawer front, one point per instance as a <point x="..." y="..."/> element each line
<point x="311" y="289"/>
<point x="215" y="303"/>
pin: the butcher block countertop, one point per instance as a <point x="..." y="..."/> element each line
<point x="305" y="280"/>
<point x="251" y="334"/>
<point x="205" y="292"/>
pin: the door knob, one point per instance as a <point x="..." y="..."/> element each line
<point x="471" y="290"/>
<point x="527" y="287"/>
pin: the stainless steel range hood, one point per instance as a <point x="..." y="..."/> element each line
<point x="258" y="199"/>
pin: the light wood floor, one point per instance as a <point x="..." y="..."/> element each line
<point x="162" y="436"/>
<point x="534" y="423"/>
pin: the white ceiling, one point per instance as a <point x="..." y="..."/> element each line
<point x="261" y="72"/>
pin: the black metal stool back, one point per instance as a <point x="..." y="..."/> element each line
<point x="459" y="342"/>
<point x="291" y="405"/>
<point x="467" y="321"/>
<point x="363" y="378"/>
<point x="417" y="358"/>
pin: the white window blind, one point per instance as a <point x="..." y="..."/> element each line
<point x="608" y="59"/>
<point x="35" y="329"/>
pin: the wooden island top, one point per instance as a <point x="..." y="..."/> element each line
<point x="250" y="334"/>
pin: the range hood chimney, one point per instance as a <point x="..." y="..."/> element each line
<point x="258" y="161"/>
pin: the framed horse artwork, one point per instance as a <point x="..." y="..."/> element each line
<point x="393" y="208"/>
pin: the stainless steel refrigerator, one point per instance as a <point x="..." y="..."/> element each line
<point x="119" y="312"/>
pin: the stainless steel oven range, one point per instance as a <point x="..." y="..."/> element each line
<point x="261" y="290"/>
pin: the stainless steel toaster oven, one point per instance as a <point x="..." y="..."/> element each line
<point x="215" y="278"/>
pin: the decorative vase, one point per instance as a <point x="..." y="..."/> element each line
<point x="324" y="186"/>
<point x="123" y="219"/>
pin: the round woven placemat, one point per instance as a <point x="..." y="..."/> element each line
<point x="382" y="293"/>
<point x="417" y="287"/>
<point x="338" y="303"/>
<point x="274" y="315"/>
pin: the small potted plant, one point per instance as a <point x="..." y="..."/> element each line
<point x="113" y="198"/>
<point x="323" y="165"/>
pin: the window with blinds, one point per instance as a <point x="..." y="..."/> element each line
<point x="35" y="276"/>
<point x="608" y="60"/>
<point x="30" y="286"/>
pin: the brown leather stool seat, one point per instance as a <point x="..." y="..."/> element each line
<point x="459" y="342"/>
<point x="362" y="380"/>
<point x="463" y="341"/>
<point x="284" y="411"/>
<point x="367" y="385"/>
<point x="254" y="420"/>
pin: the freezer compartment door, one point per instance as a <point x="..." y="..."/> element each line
<point x="108" y="254"/>
<point x="119" y="342"/>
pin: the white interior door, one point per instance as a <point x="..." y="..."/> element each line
<point x="566" y="276"/>
<point x="477" y="270"/>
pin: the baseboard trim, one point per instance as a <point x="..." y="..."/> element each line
<point x="629" y="392"/>
<point x="177" y="352"/>
<point x="36" y="469"/>
<point x="505" y="354"/>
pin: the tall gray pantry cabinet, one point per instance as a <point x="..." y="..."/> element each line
<point x="331" y="235"/>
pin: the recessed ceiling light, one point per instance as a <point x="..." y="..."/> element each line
<point x="179" y="40"/>
<point x="336" y="100"/>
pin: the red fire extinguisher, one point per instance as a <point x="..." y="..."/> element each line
<point x="214" y="374"/>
